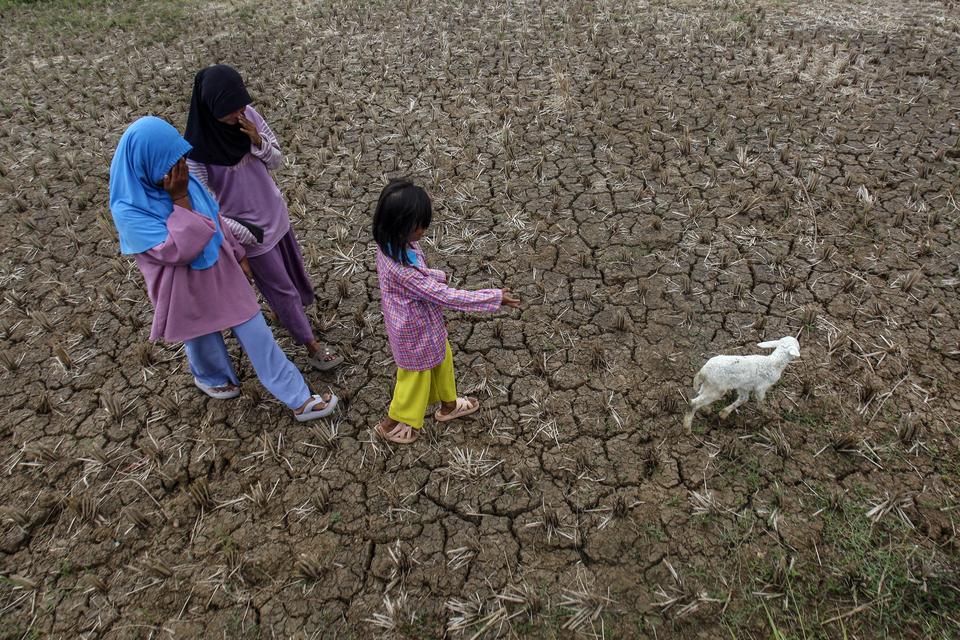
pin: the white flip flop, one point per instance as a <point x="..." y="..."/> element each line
<point x="218" y="395"/>
<point x="309" y="414"/>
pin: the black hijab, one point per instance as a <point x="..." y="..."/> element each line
<point x="217" y="91"/>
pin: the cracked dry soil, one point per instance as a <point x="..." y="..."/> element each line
<point x="660" y="182"/>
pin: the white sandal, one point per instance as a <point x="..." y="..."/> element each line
<point x="226" y="394"/>
<point x="308" y="412"/>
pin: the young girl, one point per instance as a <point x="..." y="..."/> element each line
<point x="413" y="297"/>
<point x="194" y="269"/>
<point x="233" y="153"/>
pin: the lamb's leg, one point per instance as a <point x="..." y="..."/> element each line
<point x="703" y="400"/>
<point x="761" y="393"/>
<point x="742" y="396"/>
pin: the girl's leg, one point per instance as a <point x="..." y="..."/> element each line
<point x="446" y="392"/>
<point x="283" y="281"/>
<point x="410" y="398"/>
<point x="282" y="294"/>
<point x="293" y="262"/>
<point x="209" y="361"/>
<point x="443" y="382"/>
<point x="277" y="374"/>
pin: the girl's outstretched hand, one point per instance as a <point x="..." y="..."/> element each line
<point x="508" y="299"/>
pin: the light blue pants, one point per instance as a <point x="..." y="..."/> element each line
<point x="211" y="364"/>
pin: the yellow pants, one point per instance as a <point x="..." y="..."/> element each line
<point x="416" y="390"/>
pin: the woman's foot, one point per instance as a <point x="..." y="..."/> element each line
<point x="222" y="392"/>
<point x="393" y="431"/>
<point x="317" y="406"/>
<point x="322" y="357"/>
<point x="456" y="409"/>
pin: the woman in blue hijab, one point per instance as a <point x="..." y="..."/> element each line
<point x="195" y="270"/>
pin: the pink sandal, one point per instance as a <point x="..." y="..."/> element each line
<point x="465" y="406"/>
<point x="394" y="434"/>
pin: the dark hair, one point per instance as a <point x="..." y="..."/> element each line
<point x="403" y="208"/>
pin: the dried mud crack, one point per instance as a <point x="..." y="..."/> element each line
<point x="659" y="182"/>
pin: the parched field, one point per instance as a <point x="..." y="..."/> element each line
<point x="660" y="182"/>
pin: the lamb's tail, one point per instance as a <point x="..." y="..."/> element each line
<point x="697" y="383"/>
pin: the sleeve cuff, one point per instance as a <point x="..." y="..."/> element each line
<point x="263" y="151"/>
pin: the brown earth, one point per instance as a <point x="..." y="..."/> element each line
<point x="660" y="182"/>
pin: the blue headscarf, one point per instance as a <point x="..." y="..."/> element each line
<point x="140" y="207"/>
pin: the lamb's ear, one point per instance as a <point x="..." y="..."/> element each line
<point x="773" y="344"/>
<point x="794" y="352"/>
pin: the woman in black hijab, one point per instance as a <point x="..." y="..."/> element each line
<point x="233" y="153"/>
<point x="218" y="102"/>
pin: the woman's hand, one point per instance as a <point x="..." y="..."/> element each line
<point x="508" y="300"/>
<point x="251" y="130"/>
<point x="247" y="271"/>
<point x="176" y="181"/>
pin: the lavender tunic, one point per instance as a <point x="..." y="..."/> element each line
<point x="187" y="302"/>
<point x="247" y="190"/>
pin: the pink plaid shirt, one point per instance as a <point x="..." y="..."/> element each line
<point x="413" y="299"/>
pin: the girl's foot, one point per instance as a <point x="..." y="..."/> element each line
<point x="316" y="407"/>
<point x="397" y="432"/>
<point x="223" y="392"/>
<point x="322" y="357"/>
<point x="456" y="409"/>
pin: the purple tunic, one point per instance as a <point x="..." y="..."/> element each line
<point x="247" y="190"/>
<point x="188" y="303"/>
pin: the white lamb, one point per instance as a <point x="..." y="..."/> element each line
<point x="741" y="373"/>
